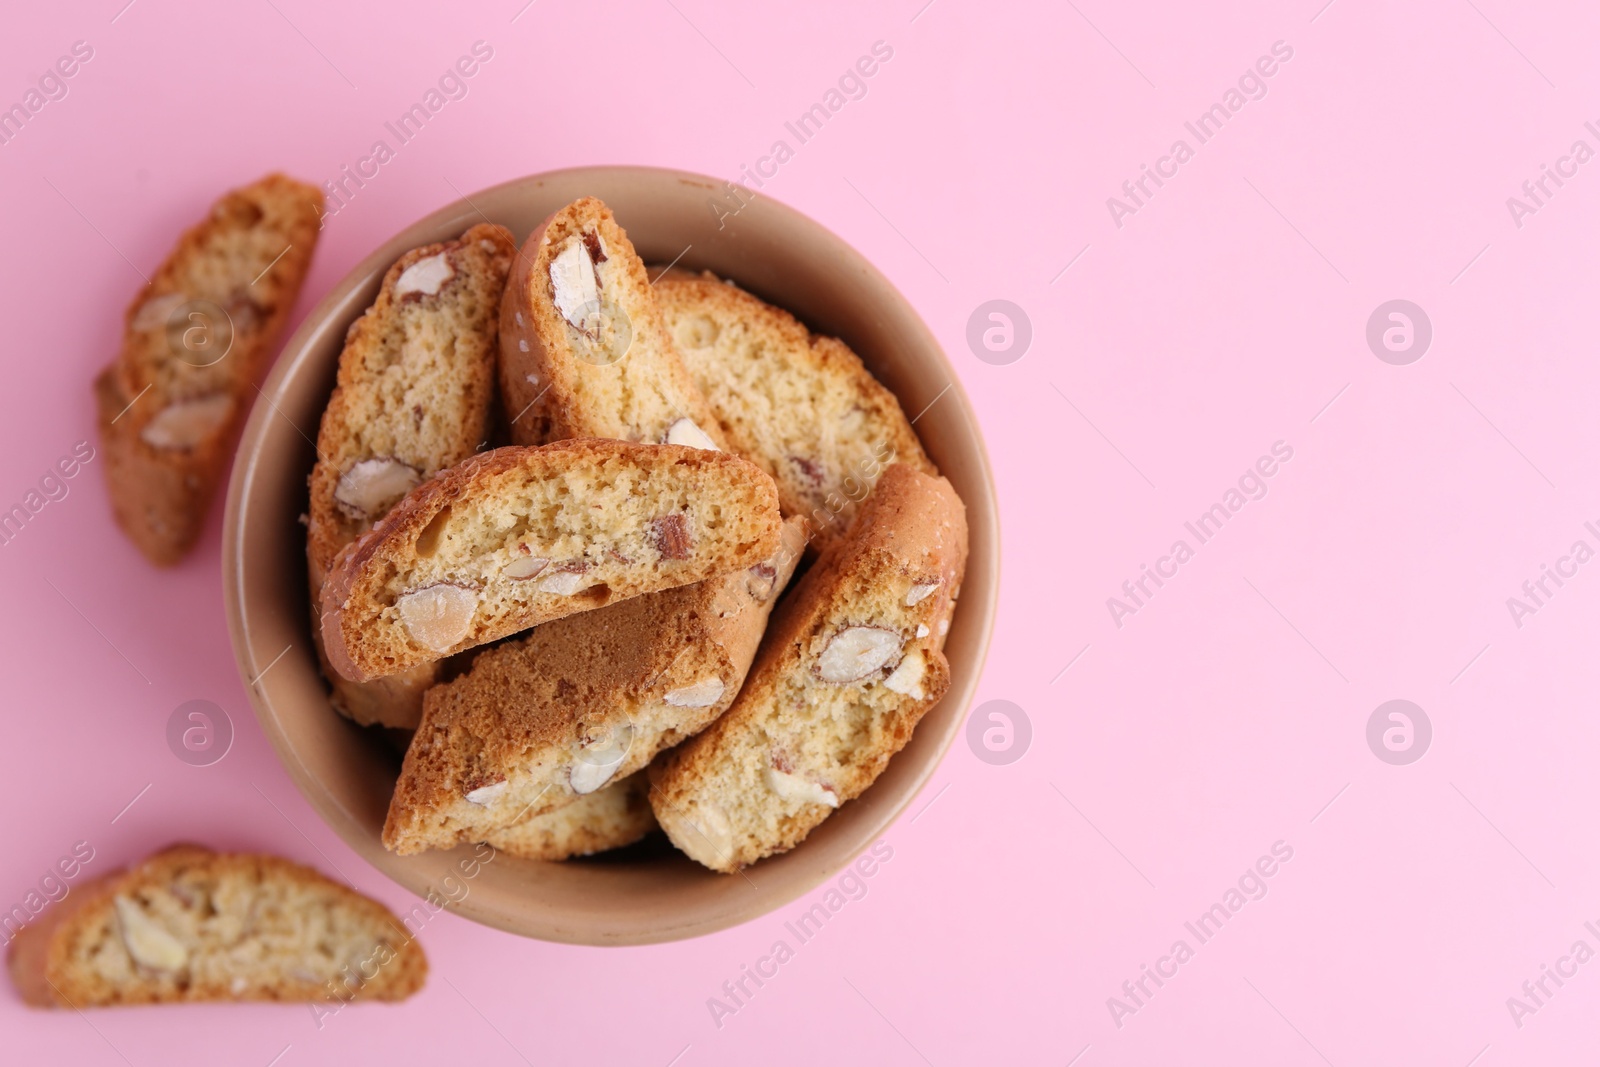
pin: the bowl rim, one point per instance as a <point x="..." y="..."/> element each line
<point x="294" y="353"/>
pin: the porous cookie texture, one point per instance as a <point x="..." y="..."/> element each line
<point x="519" y="536"/>
<point x="554" y="716"/>
<point x="611" y="817"/>
<point x="414" y="396"/>
<point x="852" y="661"/>
<point x="800" y="406"/>
<point x="194" y="342"/>
<point x="584" y="351"/>
<point x="189" y="924"/>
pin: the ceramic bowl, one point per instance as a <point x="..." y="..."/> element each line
<point x="643" y="894"/>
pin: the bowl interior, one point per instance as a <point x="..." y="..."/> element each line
<point x="644" y="894"/>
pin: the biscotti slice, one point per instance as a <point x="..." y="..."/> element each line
<point x="189" y="924"/>
<point x="852" y="661"/>
<point x="608" y="818"/>
<point x="554" y="716"/>
<point x="518" y="536"/>
<point x="194" y="343"/>
<point x="414" y="396"/>
<point x="583" y="348"/>
<point x="801" y="407"/>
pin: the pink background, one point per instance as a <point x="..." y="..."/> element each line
<point x="1223" y="316"/>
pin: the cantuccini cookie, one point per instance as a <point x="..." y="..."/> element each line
<point x="545" y="719"/>
<point x="852" y="661"/>
<point x="800" y="406"/>
<point x="194" y="342"/>
<point x="414" y="396"/>
<point x="519" y="536"/>
<point x="584" y="351"/>
<point x="611" y="817"/>
<point x="189" y="924"/>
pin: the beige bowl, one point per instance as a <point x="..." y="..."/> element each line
<point x="348" y="773"/>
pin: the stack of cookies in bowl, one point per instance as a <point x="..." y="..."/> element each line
<point x="702" y="583"/>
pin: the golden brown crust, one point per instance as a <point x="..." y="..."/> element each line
<point x="415" y="391"/>
<point x="597" y="502"/>
<point x="799" y="741"/>
<point x="578" y="702"/>
<point x="248" y="257"/>
<point x="77" y="955"/>
<point x="555" y="382"/>
<point x="800" y="406"/>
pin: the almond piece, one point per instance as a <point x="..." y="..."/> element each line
<point x="566" y="581"/>
<point x="685" y="432"/>
<point x="701" y="694"/>
<point x="438" y="617"/>
<point x="425" y="277"/>
<point x="576" y="289"/>
<point x="373" y="486"/>
<point x="794" y="787"/>
<point x="154" y="313"/>
<point x="185" y="423"/>
<point x="525" y="568"/>
<point x="760" y="580"/>
<point x="670" y="536"/>
<point x="907" y="677"/>
<point x="483" y="793"/>
<point x="149" y="943"/>
<point x="600" y="757"/>
<point x="244" y="316"/>
<point x="857" y="652"/>
<point x="919" y="592"/>
<point x="810" y="468"/>
<point x="712" y="827"/>
<point x="585" y="777"/>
